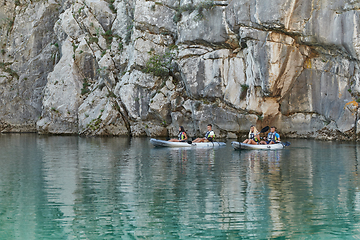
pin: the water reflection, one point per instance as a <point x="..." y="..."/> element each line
<point x="120" y="188"/>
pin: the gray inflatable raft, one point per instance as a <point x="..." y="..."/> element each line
<point x="238" y="145"/>
<point x="162" y="143"/>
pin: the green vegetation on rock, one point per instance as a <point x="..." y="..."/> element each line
<point x="85" y="88"/>
<point x="108" y="35"/>
<point x="200" y="7"/>
<point x="93" y="40"/>
<point x="95" y="123"/>
<point x="244" y="89"/>
<point x="4" y="68"/>
<point x="111" y="5"/>
<point x="160" y="65"/>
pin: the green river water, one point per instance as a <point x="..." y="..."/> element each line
<point x="60" y="187"/>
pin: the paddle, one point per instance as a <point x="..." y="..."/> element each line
<point x="189" y="142"/>
<point x="265" y="129"/>
<point x="286" y="144"/>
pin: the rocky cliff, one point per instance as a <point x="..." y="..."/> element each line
<point x="144" y="67"/>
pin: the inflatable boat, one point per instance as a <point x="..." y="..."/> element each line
<point x="162" y="143"/>
<point x="238" y="145"/>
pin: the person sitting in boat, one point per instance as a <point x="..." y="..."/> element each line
<point x="272" y="138"/>
<point x="254" y="136"/>
<point x="182" y="137"/>
<point x="209" y="135"/>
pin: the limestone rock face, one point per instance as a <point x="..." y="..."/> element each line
<point x="144" y="67"/>
<point x="28" y="55"/>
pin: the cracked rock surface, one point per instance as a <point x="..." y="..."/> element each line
<point x="144" y="67"/>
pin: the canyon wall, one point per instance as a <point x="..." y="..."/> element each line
<point x="143" y="67"/>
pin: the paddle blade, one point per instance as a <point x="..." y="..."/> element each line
<point x="286" y="144"/>
<point x="265" y="129"/>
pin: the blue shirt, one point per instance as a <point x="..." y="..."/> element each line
<point x="273" y="136"/>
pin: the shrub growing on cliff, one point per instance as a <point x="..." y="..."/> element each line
<point x="120" y="46"/>
<point x="4" y="68"/>
<point x="108" y="35"/>
<point x="95" y="123"/>
<point x="85" y="88"/>
<point x="188" y="8"/>
<point x="93" y="40"/>
<point x="111" y="94"/>
<point x="74" y="47"/>
<point x="4" y="64"/>
<point x="160" y="65"/>
<point x="177" y="17"/>
<point x="244" y="89"/>
<point x="80" y="9"/>
<point x="200" y="7"/>
<point x="203" y="6"/>
<point x="111" y="5"/>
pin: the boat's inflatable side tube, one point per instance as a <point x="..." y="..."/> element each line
<point x="238" y="145"/>
<point x="162" y="143"/>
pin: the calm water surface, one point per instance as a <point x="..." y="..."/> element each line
<point x="55" y="187"/>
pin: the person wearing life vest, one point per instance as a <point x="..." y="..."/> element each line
<point x="182" y="136"/>
<point x="209" y="135"/>
<point x="254" y="136"/>
<point x="272" y="138"/>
